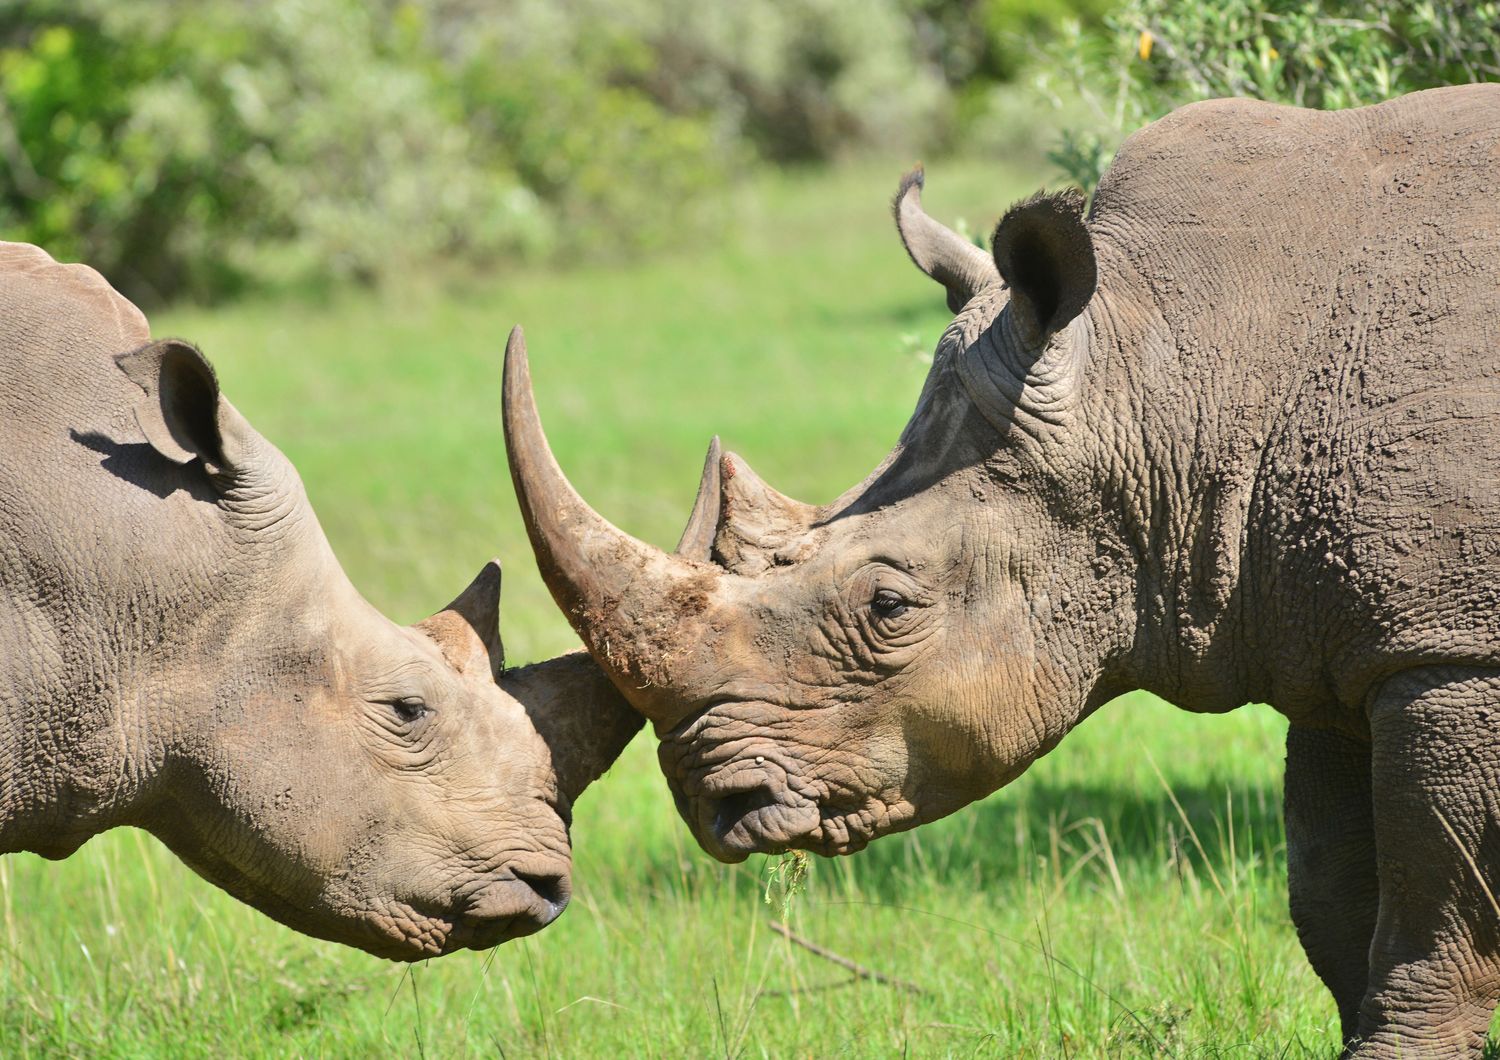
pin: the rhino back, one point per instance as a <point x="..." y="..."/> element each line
<point x="1311" y="300"/>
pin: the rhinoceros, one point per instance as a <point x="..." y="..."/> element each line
<point x="180" y="651"/>
<point x="1229" y="435"/>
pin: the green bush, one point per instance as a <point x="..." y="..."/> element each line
<point x="1154" y="55"/>
<point x="190" y="148"/>
<point x="184" y="148"/>
<point x="105" y="153"/>
<point x="792" y="80"/>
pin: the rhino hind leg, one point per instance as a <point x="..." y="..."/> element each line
<point x="1331" y="877"/>
<point x="1435" y="958"/>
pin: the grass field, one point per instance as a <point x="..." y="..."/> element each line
<point x="1126" y="897"/>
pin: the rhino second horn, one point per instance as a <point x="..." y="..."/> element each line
<point x="697" y="540"/>
<point x="937" y="250"/>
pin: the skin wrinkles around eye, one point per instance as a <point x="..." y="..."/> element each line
<point x="409" y="683"/>
<point x="860" y="640"/>
<point x="407" y="743"/>
<point x="895" y="602"/>
<point x="404" y="746"/>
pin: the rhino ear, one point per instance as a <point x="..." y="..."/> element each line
<point x="468" y="630"/>
<point x="1045" y="254"/>
<point x="182" y="413"/>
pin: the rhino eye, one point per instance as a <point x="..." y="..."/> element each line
<point x="409" y="708"/>
<point x="888" y="604"/>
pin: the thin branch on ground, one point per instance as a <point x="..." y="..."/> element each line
<point x="855" y="969"/>
<point x="815" y="988"/>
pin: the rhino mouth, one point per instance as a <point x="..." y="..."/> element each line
<point x="739" y="821"/>
<point x="743" y="798"/>
<point x="517" y="905"/>
<point x="749" y="818"/>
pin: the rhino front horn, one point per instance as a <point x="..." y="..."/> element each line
<point x="634" y="605"/>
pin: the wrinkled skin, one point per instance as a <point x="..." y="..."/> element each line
<point x="181" y="652"/>
<point x="1229" y="438"/>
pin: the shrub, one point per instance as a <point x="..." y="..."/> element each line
<point x="185" y="147"/>
<point x="190" y="148"/>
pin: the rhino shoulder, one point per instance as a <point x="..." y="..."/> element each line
<point x="1191" y="152"/>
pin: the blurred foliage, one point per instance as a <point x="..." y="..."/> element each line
<point x="192" y="147"/>
<point x="185" y="147"/>
<point x="1150" y="56"/>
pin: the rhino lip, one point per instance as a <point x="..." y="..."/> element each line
<point x="752" y="818"/>
<point x="752" y="802"/>
<point x="469" y="933"/>
<point x="514" y="907"/>
<point x="743" y="809"/>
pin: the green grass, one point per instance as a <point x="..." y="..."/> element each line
<point x="1126" y="897"/>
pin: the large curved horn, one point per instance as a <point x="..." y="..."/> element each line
<point x="940" y="252"/>
<point x="633" y="604"/>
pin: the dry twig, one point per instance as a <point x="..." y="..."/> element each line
<point x="855" y="969"/>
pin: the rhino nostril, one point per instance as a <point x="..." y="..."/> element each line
<point x="731" y="809"/>
<point x="552" y="888"/>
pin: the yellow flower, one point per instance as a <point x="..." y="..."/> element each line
<point x="1143" y="49"/>
<point x="1272" y="53"/>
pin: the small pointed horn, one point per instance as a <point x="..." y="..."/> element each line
<point x="749" y="498"/>
<point x="698" y="537"/>
<point x="633" y="604"/>
<point x="759" y="523"/>
<point x="937" y="250"/>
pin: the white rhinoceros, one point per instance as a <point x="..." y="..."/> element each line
<point x="181" y="651"/>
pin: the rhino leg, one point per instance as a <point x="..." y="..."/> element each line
<point x="1331" y="878"/>
<point x="1435" y="959"/>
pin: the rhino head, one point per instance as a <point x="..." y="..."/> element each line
<point x="390" y="787"/>
<point x="822" y="675"/>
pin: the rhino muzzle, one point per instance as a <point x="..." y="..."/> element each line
<point x="511" y="909"/>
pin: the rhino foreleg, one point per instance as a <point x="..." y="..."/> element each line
<point x="1331" y="877"/>
<point x="1435" y="958"/>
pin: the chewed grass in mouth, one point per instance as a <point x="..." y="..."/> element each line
<point x="785" y="879"/>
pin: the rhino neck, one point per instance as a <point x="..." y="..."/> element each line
<point x="71" y="764"/>
<point x="102" y="698"/>
<point x="1180" y="463"/>
<point x="111" y="676"/>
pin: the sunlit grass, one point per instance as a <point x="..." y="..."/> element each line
<point x="1126" y="897"/>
